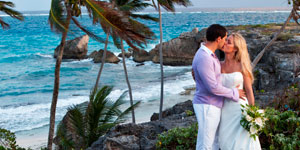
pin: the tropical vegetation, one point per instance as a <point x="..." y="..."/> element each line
<point x="6" y="7"/>
<point x="63" y="13"/>
<point x="88" y="122"/>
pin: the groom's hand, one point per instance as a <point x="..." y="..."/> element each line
<point x="242" y="94"/>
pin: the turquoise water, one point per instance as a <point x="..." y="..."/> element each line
<point x="27" y="66"/>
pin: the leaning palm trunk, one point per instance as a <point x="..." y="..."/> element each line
<point x="102" y="62"/>
<point x="161" y="65"/>
<point x="56" y="84"/>
<point x="259" y="56"/>
<point x="127" y="80"/>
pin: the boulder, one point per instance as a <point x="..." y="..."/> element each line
<point x="74" y="49"/>
<point x="177" y="109"/>
<point x="179" y="51"/>
<point x="110" y="57"/>
<point x="127" y="55"/>
<point x="141" y="56"/>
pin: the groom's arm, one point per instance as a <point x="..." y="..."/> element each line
<point x="208" y="77"/>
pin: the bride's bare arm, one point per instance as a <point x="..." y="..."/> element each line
<point x="248" y="89"/>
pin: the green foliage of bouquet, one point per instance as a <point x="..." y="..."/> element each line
<point x="178" y="139"/>
<point x="253" y="120"/>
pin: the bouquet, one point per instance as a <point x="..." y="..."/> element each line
<point x="252" y="120"/>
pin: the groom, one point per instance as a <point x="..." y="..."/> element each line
<point x="210" y="94"/>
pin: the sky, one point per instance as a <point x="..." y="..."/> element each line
<point x="37" y="5"/>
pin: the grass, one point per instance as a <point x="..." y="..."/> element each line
<point x="285" y="36"/>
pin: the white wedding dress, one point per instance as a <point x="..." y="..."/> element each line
<point x="232" y="136"/>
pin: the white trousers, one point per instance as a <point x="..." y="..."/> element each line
<point x="208" y="117"/>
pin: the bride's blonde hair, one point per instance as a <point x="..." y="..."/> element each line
<point x="242" y="54"/>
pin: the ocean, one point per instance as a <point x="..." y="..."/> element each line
<point x="27" y="67"/>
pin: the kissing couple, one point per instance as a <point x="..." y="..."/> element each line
<point x="219" y="92"/>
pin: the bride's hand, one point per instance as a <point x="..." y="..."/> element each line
<point x="242" y="94"/>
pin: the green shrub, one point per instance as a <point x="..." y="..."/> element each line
<point x="178" y="139"/>
<point x="8" y="140"/>
<point x="282" y="130"/>
<point x="189" y="113"/>
<point x="260" y="26"/>
<point x="284" y="37"/>
<point x="288" y="100"/>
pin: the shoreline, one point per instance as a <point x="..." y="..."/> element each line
<point x="37" y="138"/>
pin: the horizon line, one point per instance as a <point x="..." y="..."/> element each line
<point x="203" y="9"/>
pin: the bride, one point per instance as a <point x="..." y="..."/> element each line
<point x="236" y="70"/>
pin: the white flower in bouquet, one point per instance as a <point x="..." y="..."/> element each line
<point x="259" y="121"/>
<point x="253" y="130"/>
<point x="261" y="111"/>
<point x="248" y="118"/>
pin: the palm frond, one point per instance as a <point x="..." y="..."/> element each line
<point x="184" y="3"/>
<point x="57" y="17"/>
<point x="144" y="17"/>
<point x="133" y="6"/>
<point x="118" y="23"/>
<point x="4" y="7"/>
<point x="113" y="109"/>
<point x="86" y="31"/>
<point x="4" y="24"/>
<point x="77" y="120"/>
<point x="122" y="117"/>
<point x="166" y="5"/>
<point x="154" y="5"/>
<point x="116" y="40"/>
<point x="97" y="108"/>
<point x="169" y="5"/>
<point x="103" y="128"/>
<point x="65" y="139"/>
<point x="12" y="13"/>
<point x="101" y="12"/>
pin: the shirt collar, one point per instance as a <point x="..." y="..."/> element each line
<point x="207" y="50"/>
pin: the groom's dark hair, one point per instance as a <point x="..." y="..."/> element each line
<point x="214" y="31"/>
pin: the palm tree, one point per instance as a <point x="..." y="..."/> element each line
<point x="89" y="123"/>
<point x="128" y="7"/>
<point x="5" y="7"/>
<point x="293" y="14"/>
<point x="168" y="5"/>
<point x="100" y="12"/>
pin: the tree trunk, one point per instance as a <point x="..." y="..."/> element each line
<point x="161" y="64"/>
<point x="56" y="84"/>
<point x="259" y="56"/>
<point x="127" y="80"/>
<point x="102" y="62"/>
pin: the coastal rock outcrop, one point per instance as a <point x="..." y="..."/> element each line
<point x="127" y="55"/>
<point x="74" y="49"/>
<point x="143" y="136"/>
<point x="179" y="51"/>
<point x="110" y="57"/>
<point x="141" y="56"/>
